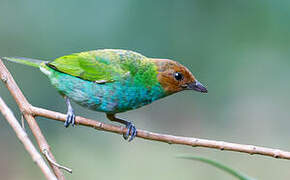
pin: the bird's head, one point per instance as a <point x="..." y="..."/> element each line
<point x="175" y="77"/>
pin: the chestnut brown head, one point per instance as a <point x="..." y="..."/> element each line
<point x="175" y="77"/>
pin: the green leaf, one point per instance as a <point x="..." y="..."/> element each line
<point x="218" y="165"/>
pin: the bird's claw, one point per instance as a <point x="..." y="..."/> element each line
<point x="131" y="129"/>
<point x="70" y="119"/>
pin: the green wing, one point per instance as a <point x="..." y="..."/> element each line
<point x="100" y="66"/>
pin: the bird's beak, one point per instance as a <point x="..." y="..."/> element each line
<point x="196" y="86"/>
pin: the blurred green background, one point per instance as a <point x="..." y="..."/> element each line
<point x="239" y="49"/>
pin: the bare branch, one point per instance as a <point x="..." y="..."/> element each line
<point x="24" y="107"/>
<point x="22" y="136"/>
<point x="170" y="139"/>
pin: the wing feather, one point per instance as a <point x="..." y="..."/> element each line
<point x="92" y="66"/>
<point x="108" y="65"/>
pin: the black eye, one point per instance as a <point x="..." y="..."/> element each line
<point x="178" y="76"/>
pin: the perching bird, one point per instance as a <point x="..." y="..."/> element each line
<point x="114" y="81"/>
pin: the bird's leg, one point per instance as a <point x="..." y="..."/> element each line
<point x="70" y="118"/>
<point x="131" y="129"/>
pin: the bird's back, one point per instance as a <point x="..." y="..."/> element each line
<point x="108" y="65"/>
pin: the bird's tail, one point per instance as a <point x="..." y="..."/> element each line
<point x="26" y="61"/>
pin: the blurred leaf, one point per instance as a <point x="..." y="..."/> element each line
<point x="218" y="165"/>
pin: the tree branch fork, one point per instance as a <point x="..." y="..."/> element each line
<point x="30" y="112"/>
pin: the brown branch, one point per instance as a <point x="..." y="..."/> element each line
<point x="170" y="139"/>
<point x="22" y="136"/>
<point x="25" y="109"/>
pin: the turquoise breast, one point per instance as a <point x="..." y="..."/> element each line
<point x="113" y="97"/>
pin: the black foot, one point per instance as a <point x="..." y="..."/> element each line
<point x="70" y="119"/>
<point x="131" y="130"/>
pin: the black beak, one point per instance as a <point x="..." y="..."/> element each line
<point x="197" y="86"/>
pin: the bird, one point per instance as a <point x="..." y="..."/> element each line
<point x="113" y="81"/>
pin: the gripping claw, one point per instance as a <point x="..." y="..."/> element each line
<point x="131" y="129"/>
<point x="70" y="115"/>
<point x="70" y="119"/>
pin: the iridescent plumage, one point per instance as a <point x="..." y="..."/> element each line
<point x="114" y="81"/>
<point x="110" y="81"/>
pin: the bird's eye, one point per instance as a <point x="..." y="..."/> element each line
<point x="178" y="76"/>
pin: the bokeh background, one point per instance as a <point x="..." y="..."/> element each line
<point x="239" y="49"/>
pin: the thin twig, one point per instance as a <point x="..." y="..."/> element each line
<point x="24" y="107"/>
<point x="22" y="136"/>
<point x="55" y="163"/>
